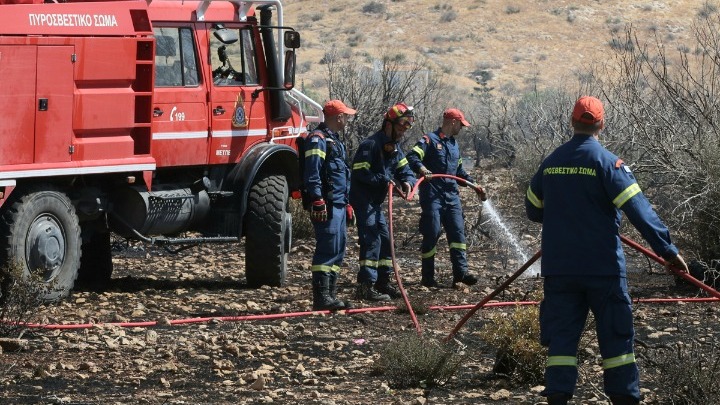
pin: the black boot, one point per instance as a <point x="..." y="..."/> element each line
<point x="467" y="279"/>
<point x="623" y="400"/>
<point x="558" y="399"/>
<point x="427" y="273"/>
<point x="430" y="283"/>
<point x="321" y="293"/>
<point x="333" y="290"/>
<point x="384" y="287"/>
<point x="366" y="291"/>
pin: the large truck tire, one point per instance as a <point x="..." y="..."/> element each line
<point x="268" y="229"/>
<point x="96" y="264"/>
<point x="41" y="234"/>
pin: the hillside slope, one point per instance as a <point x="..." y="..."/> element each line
<point x="508" y="44"/>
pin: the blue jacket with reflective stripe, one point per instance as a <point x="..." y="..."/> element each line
<point x="326" y="174"/>
<point x="577" y="194"/>
<point x="440" y="154"/>
<point x="372" y="170"/>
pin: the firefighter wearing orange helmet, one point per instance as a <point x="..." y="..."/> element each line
<point x="327" y="180"/>
<point x="579" y="194"/>
<point x="438" y="152"/>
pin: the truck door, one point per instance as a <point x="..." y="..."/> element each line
<point x="237" y="119"/>
<point x="17" y="103"/>
<point x="180" y="114"/>
<point x="53" y="120"/>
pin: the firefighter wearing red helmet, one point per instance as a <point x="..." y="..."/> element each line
<point x="579" y="194"/>
<point x="438" y="152"/>
<point x="377" y="162"/>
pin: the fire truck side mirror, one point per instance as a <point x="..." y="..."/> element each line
<point x="289" y="81"/>
<point x="291" y="39"/>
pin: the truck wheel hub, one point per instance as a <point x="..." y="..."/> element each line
<point x="45" y="245"/>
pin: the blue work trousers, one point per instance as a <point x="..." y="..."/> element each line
<point x="434" y="214"/>
<point x="330" y="241"/>
<point x="375" y="259"/>
<point x="563" y="313"/>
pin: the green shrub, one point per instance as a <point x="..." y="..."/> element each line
<point x="414" y="361"/>
<point x="516" y="337"/>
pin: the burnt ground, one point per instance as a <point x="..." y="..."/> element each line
<point x="309" y="358"/>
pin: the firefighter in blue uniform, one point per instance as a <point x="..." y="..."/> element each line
<point x="327" y="182"/>
<point x="378" y="161"/>
<point x="438" y="152"/>
<point x="578" y="194"/>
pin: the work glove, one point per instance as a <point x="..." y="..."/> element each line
<point x="481" y="193"/>
<point x="318" y="211"/>
<point x="426" y="173"/>
<point x="406" y="189"/>
<point x="676" y="262"/>
<point x="350" y="215"/>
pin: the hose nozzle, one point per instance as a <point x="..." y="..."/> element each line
<point x="479" y="190"/>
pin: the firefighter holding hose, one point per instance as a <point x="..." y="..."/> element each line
<point x="378" y="162"/>
<point x="438" y="152"/>
<point x="579" y="194"/>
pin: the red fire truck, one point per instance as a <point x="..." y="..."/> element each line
<point x="171" y="123"/>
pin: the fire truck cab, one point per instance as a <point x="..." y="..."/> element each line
<point x="171" y="122"/>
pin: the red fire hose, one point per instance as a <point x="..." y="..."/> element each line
<point x="492" y="295"/>
<point x="479" y="190"/>
<point x="627" y="241"/>
<point x="692" y="280"/>
<point x="396" y="268"/>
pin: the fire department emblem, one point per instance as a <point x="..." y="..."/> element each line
<point x="239" y="119"/>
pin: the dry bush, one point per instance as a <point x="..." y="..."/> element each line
<point x="516" y="337"/>
<point x="371" y="90"/>
<point x="449" y="16"/>
<point x="662" y="118"/>
<point x="374" y="7"/>
<point x="687" y="374"/>
<point x="415" y="361"/>
<point x="707" y="273"/>
<point x="20" y="299"/>
<point x="302" y="226"/>
<point x="666" y="123"/>
<point x="520" y="131"/>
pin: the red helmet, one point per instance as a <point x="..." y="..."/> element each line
<point x="398" y="111"/>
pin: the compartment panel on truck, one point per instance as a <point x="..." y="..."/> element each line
<point x="105" y="98"/>
<point x="53" y="129"/>
<point x="17" y="101"/>
<point x="101" y="59"/>
<point x="99" y="146"/>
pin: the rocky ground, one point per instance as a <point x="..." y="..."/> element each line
<point x="188" y="353"/>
